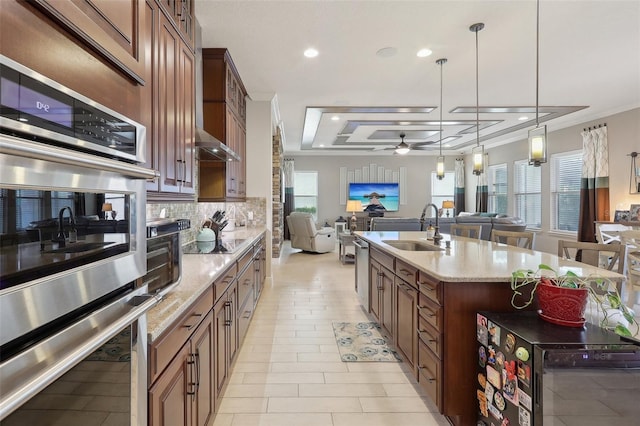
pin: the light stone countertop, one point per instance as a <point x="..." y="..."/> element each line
<point x="199" y="271"/>
<point x="470" y="260"/>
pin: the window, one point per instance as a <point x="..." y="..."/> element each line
<point x="442" y="190"/>
<point x="305" y="193"/>
<point x="566" y="170"/>
<point x="497" y="187"/>
<point x="528" y="202"/>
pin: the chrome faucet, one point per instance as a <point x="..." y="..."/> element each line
<point x="436" y="237"/>
<point x="61" y="237"/>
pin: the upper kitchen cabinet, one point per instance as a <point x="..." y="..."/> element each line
<point x="224" y="116"/>
<point x="182" y="13"/>
<point x="111" y="29"/>
<point x="170" y="149"/>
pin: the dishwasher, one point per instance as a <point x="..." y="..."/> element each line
<point x="362" y="272"/>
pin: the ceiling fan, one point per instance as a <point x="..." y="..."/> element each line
<point x="403" y="147"/>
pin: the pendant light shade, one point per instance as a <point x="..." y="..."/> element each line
<point x="538" y="135"/>
<point x="402" y="147"/>
<point x="478" y="151"/>
<point x="440" y="162"/>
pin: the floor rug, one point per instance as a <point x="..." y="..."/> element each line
<point x="362" y="341"/>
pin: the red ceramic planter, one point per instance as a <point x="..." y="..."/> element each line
<point x="562" y="306"/>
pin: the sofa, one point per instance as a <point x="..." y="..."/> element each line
<point x="489" y="221"/>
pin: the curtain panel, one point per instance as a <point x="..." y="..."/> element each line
<point x="458" y="195"/>
<point x="289" y="205"/>
<point x="594" y="183"/>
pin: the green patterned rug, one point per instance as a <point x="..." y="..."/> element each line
<point x="362" y="341"/>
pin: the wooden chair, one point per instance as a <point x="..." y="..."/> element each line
<point x="590" y="253"/>
<point x="631" y="239"/>
<point x="523" y="239"/>
<point x="466" y="230"/>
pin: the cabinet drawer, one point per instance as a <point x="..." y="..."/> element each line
<point x="245" y="312"/>
<point x="245" y="284"/>
<point x="383" y="258"/>
<point x="162" y="351"/>
<point x="430" y="287"/>
<point x="430" y="311"/>
<point x="430" y="337"/>
<point x="244" y="260"/>
<point x="224" y="281"/>
<point x="407" y="272"/>
<point x="429" y="374"/>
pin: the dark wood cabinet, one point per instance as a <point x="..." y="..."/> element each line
<point x="226" y="338"/>
<point x="183" y="393"/>
<point x="382" y="286"/>
<point x="183" y="16"/>
<point x="406" y="320"/>
<point x="224" y="116"/>
<point x="172" y="132"/>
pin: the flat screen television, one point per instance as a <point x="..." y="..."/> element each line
<point x="376" y="196"/>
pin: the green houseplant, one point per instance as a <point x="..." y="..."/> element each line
<point x="562" y="298"/>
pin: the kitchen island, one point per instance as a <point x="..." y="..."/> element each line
<point x="426" y="302"/>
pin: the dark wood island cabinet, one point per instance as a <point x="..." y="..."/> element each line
<point x="434" y="300"/>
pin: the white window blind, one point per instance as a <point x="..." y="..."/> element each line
<point x="497" y="187"/>
<point x="527" y="191"/>
<point x="442" y="190"/>
<point x="566" y="169"/>
<point x="305" y="192"/>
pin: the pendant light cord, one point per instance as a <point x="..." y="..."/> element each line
<point x="477" y="93"/>
<point x="441" y="62"/>
<point x="537" y="56"/>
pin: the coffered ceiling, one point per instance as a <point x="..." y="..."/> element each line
<point x="367" y="86"/>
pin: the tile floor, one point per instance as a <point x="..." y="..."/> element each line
<point x="288" y="370"/>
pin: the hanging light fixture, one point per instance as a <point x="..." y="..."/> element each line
<point x="478" y="151"/>
<point x="402" y="147"/>
<point x="440" y="163"/>
<point x="538" y="135"/>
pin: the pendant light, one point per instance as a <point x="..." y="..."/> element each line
<point x="478" y="151"/>
<point x="440" y="162"/>
<point x="402" y="147"/>
<point x="538" y="135"/>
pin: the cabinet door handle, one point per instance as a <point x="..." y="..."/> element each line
<point x="429" y="379"/>
<point x="197" y="358"/>
<point x="227" y="314"/>
<point x="405" y="271"/>
<point x="191" y="384"/>
<point x="428" y="340"/>
<point x="190" y="326"/>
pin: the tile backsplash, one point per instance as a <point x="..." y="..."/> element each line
<point x="197" y="212"/>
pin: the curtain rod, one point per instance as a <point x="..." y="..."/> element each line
<point x="597" y="126"/>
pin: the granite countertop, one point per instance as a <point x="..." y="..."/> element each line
<point x="199" y="271"/>
<point x="471" y="260"/>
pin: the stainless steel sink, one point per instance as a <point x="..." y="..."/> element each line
<point x="411" y="245"/>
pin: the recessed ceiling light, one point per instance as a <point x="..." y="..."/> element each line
<point x="335" y="118"/>
<point x="423" y="53"/>
<point x="447" y="145"/>
<point x="524" y="117"/>
<point x="311" y="53"/>
<point x="387" y="52"/>
<point x="321" y="145"/>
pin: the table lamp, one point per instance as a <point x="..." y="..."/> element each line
<point x="354" y="206"/>
<point x="106" y="208"/>
<point x="448" y="205"/>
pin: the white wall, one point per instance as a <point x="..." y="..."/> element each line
<point x="259" y="162"/>
<point x="624" y="137"/>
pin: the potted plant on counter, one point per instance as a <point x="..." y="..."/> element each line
<point x="563" y="298"/>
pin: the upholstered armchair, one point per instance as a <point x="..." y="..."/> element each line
<point x="305" y="235"/>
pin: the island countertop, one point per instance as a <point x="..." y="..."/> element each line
<point x="199" y="271"/>
<point x="471" y="260"/>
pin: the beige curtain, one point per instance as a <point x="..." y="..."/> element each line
<point x="594" y="184"/>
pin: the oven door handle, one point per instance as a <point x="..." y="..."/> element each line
<point x="21" y="381"/>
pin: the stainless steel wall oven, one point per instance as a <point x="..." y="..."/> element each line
<point x="72" y="249"/>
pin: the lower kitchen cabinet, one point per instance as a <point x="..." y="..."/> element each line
<point x="226" y="338"/>
<point x="183" y="393"/>
<point x="406" y="298"/>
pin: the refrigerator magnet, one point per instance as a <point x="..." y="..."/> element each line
<point x="510" y="343"/>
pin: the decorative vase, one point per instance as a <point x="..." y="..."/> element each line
<point x="562" y="305"/>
